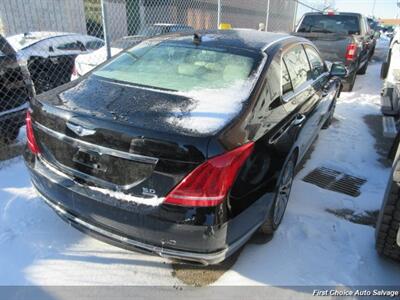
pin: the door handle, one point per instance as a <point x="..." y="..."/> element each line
<point x="299" y="120"/>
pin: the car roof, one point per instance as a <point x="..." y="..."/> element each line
<point x="24" y="40"/>
<point x="246" y="39"/>
<point x="339" y="13"/>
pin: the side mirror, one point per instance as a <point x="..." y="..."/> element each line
<point x="338" y="69"/>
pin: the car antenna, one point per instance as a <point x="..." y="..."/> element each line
<point x="197" y="38"/>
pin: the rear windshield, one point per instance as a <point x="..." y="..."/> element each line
<point x="330" y="24"/>
<point x="178" y="67"/>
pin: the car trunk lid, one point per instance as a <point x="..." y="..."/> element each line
<point x="101" y="140"/>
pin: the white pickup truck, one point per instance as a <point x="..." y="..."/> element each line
<point x="390" y="72"/>
<point x="388" y="225"/>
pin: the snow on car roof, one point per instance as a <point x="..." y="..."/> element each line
<point x="24" y="40"/>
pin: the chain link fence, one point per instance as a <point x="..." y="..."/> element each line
<point x="47" y="43"/>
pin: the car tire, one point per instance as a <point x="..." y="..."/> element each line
<point x="384" y="70"/>
<point x="349" y="85"/>
<point x="363" y="70"/>
<point x="281" y="199"/>
<point x="388" y="222"/>
<point x="371" y="54"/>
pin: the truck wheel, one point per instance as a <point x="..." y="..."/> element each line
<point x="388" y="223"/>
<point x="384" y="70"/>
<point x="349" y="85"/>
<point x="363" y="70"/>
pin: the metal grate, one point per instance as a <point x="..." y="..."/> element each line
<point x="336" y="181"/>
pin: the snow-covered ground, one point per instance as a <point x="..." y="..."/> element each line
<point x="312" y="246"/>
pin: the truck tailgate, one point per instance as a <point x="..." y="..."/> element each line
<point x="332" y="46"/>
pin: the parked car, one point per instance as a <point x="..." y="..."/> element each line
<point x="374" y="27"/>
<point x="51" y="55"/>
<point x="184" y="145"/>
<point x="388" y="225"/>
<point x="86" y="62"/>
<point x="344" y="37"/>
<point x="15" y="92"/>
<point x="390" y="72"/>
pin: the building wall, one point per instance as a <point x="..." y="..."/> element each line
<point x="18" y="16"/>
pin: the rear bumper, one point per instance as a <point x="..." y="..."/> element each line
<point x="143" y="228"/>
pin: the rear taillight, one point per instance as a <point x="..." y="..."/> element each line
<point x="209" y="183"/>
<point x="31" y="141"/>
<point x="351" y="52"/>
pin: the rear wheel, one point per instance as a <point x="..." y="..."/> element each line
<point x="284" y="187"/>
<point x="349" y="84"/>
<point x="384" y="70"/>
<point x="363" y="70"/>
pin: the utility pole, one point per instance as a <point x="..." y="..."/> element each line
<point x="267" y="17"/>
<point x="105" y="28"/>
<point x="219" y="14"/>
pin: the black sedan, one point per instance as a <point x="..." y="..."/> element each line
<point x="184" y="145"/>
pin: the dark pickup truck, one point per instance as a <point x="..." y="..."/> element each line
<point x="340" y="37"/>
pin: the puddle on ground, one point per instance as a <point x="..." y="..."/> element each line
<point x="368" y="218"/>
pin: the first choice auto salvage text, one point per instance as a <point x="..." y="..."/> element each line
<point x="346" y="293"/>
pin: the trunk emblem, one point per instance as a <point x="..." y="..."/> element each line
<point x="79" y="130"/>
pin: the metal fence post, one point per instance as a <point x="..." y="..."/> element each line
<point x="219" y="14"/>
<point x="105" y="28"/>
<point x="267" y="17"/>
<point x="295" y="15"/>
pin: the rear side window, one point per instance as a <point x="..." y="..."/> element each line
<point x="330" y="24"/>
<point x="70" y="46"/>
<point x="316" y="63"/>
<point x="93" y="45"/>
<point x="297" y="64"/>
<point x="286" y="83"/>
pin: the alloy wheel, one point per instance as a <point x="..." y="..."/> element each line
<point x="283" y="193"/>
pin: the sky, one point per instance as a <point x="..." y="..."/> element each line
<point x="386" y="9"/>
<point x="383" y="8"/>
